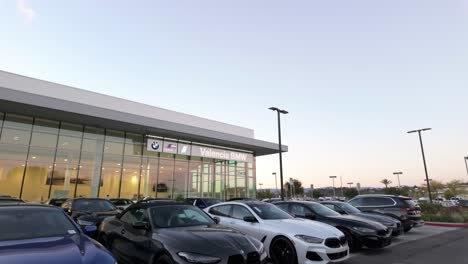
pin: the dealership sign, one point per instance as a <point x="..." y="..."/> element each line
<point x="197" y="151"/>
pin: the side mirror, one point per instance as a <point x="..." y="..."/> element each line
<point x="250" y="219"/>
<point x="141" y="225"/>
<point x="310" y="216"/>
<point x="217" y="220"/>
<point x="341" y="212"/>
<point x="89" y="230"/>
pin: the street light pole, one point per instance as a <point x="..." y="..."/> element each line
<point x="466" y="164"/>
<point x="276" y="181"/>
<point x="333" y="180"/>
<point x="261" y="184"/>
<point x="424" y="159"/>
<point x="279" y="111"/>
<point x="398" y="175"/>
<point x="350" y="184"/>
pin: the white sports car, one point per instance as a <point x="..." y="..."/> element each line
<point x="287" y="240"/>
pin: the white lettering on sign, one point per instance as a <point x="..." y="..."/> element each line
<point x="221" y="154"/>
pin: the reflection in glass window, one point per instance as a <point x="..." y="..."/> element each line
<point x="11" y="175"/>
<point x="46" y="126"/>
<point x="63" y="181"/>
<point x="18" y="122"/>
<point x="15" y="136"/>
<point x="148" y="178"/>
<point x="165" y="179"/>
<point x="2" y="115"/>
<point x="129" y="184"/>
<point x="180" y="179"/>
<point x="36" y="187"/>
<point x="194" y="178"/>
<point x="110" y="182"/>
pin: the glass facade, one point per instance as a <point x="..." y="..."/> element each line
<point x="42" y="159"/>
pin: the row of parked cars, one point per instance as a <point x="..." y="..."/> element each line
<point x="200" y="230"/>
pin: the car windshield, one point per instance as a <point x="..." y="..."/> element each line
<point x="268" y="211"/>
<point x="18" y="223"/>
<point x="210" y="202"/>
<point x="170" y="216"/>
<point x="10" y="201"/>
<point x="57" y="202"/>
<point x="322" y="210"/>
<point x="93" y="205"/>
<point x="349" y="208"/>
<point x="121" y="202"/>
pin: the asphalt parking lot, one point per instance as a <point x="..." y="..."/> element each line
<point x="425" y="245"/>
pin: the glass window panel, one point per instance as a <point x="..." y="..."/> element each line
<point x="147" y="153"/>
<point x="88" y="181"/>
<point x="112" y="160"/>
<point x="67" y="156"/>
<point x="36" y="186"/>
<point x="110" y="179"/>
<point x="44" y="140"/>
<point x="17" y="121"/>
<point x="114" y="148"/>
<point x="208" y="178"/>
<point x="63" y="181"/>
<point x="132" y="161"/>
<point x="15" y="136"/>
<point x="180" y="179"/>
<point x="132" y="138"/>
<point x="11" y="176"/>
<point x="73" y="130"/>
<point x="251" y="187"/>
<point x="47" y="126"/>
<point x="133" y="149"/>
<point x="2" y="115"/>
<point x="115" y="136"/>
<point x="39" y="154"/>
<point x="165" y="179"/>
<point x="91" y="145"/>
<point x="13" y="152"/>
<point x="129" y="186"/>
<point x="148" y="178"/>
<point x="67" y="142"/>
<point x="241" y="191"/>
<point x="94" y="133"/>
<point x="194" y="179"/>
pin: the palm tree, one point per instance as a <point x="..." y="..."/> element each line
<point x="386" y="182"/>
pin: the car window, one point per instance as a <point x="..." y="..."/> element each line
<point x="239" y="212"/>
<point x="199" y="202"/>
<point x="321" y="210"/>
<point x="222" y="210"/>
<point x="171" y="216"/>
<point x="268" y="211"/>
<point x="378" y="201"/>
<point x="331" y="206"/>
<point x="28" y="223"/>
<point x="410" y="203"/>
<point x="134" y="215"/>
<point x="210" y="202"/>
<point x="349" y="208"/>
<point x="283" y="206"/>
<point x="356" y="202"/>
<point x="93" y="205"/>
<point x="298" y="210"/>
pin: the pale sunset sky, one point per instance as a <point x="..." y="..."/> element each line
<point x="355" y="75"/>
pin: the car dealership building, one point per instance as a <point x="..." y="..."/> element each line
<point x="58" y="141"/>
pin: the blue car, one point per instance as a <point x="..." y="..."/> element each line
<point x="42" y="234"/>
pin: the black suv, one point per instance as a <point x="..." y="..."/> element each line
<point x="202" y="203"/>
<point x="399" y="207"/>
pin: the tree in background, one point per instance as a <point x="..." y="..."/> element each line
<point x="404" y="191"/>
<point x="297" y="185"/>
<point x="386" y="182"/>
<point x="350" y="193"/>
<point x="264" y="194"/>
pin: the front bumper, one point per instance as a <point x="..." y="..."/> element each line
<point x="418" y="223"/>
<point x="374" y="241"/>
<point x="319" y="253"/>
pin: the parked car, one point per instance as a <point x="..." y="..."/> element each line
<point x="271" y="200"/>
<point x="40" y="234"/>
<point x="347" y="209"/>
<point x="358" y="231"/>
<point x="121" y="203"/>
<point x="242" y="199"/>
<point x="168" y="233"/>
<point x="56" y="201"/>
<point x="10" y="200"/>
<point x="89" y="211"/>
<point x="399" y="207"/>
<point x="202" y="202"/>
<point x="286" y="239"/>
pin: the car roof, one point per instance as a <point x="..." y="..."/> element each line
<point x="154" y="203"/>
<point x="332" y="202"/>
<point x="26" y="206"/>
<point x="381" y="195"/>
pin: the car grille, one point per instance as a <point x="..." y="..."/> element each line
<point x="236" y="259"/>
<point x="334" y="256"/>
<point x="253" y="258"/>
<point x="332" y="242"/>
<point x="382" y="232"/>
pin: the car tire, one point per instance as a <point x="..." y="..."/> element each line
<point x="407" y="229"/>
<point x="164" y="259"/>
<point x="282" y="251"/>
<point x="353" y="243"/>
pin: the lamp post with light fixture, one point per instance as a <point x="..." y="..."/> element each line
<point x="398" y="175"/>
<point x="279" y="112"/>
<point x="333" y="181"/>
<point x="424" y="159"/>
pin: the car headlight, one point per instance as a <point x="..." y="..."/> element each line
<point x="309" y="239"/>
<point x="364" y="230"/>
<point x="84" y="222"/>
<point x="198" y="259"/>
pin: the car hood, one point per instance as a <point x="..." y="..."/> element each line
<point x="357" y="221"/>
<point x="378" y="218"/>
<point x="298" y="226"/>
<point x="71" y="250"/>
<point x="212" y="240"/>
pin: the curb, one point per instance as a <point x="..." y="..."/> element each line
<point x="454" y="225"/>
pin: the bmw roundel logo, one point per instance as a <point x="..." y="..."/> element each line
<point x="155" y="145"/>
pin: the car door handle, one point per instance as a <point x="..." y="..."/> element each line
<point x="122" y="232"/>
